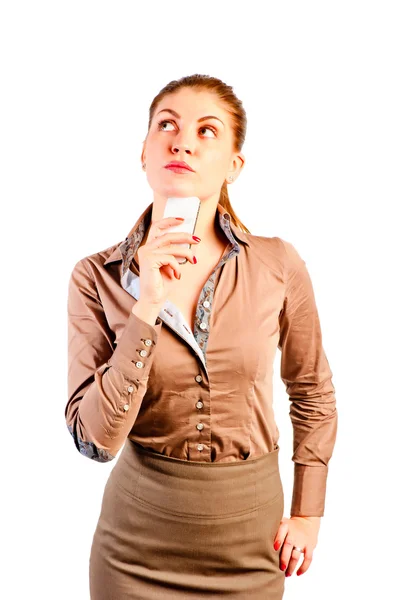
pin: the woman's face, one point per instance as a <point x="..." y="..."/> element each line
<point x="205" y="145"/>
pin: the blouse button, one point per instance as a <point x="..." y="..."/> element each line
<point x="203" y="325"/>
<point x="130" y="388"/>
<point x="200" y="426"/>
<point x="148" y="342"/>
<point x="139" y="364"/>
<point x="143" y="352"/>
<point x="198" y="378"/>
<point x="207" y="304"/>
<point x="200" y="447"/>
<point x="126" y="407"/>
<point x="199" y="404"/>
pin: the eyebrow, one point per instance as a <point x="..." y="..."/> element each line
<point x="173" y="112"/>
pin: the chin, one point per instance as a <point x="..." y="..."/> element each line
<point x="176" y="191"/>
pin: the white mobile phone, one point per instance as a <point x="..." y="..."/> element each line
<point x="188" y="208"/>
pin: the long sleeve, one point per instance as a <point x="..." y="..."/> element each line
<point x="105" y="386"/>
<point x="307" y="376"/>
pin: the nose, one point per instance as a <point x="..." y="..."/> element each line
<point x="181" y="148"/>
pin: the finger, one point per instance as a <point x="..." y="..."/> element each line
<point x="168" y="260"/>
<point x="166" y="222"/>
<point x="306" y="561"/>
<point x="177" y="250"/>
<point x="165" y="239"/>
<point x="158" y="229"/>
<point x="292" y="564"/>
<point x="154" y="233"/>
<point x="171" y="273"/>
<point x="286" y="551"/>
<point x="280" y="535"/>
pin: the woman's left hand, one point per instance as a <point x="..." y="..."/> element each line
<point x="296" y="531"/>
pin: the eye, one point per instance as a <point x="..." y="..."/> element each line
<point x="210" y="129"/>
<point x="161" y="123"/>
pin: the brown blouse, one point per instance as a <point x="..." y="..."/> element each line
<point x="202" y="395"/>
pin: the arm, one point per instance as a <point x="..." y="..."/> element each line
<point x="105" y="386"/>
<point x="307" y="376"/>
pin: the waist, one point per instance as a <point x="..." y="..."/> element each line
<point x="198" y="488"/>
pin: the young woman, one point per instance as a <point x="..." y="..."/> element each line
<point x="173" y="363"/>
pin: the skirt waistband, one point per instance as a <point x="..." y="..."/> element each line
<point x="208" y="489"/>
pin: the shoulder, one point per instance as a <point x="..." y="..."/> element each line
<point x="277" y="252"/>
<point x="292" y="257"/>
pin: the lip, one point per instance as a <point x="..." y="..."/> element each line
<point x="178" y="166"/>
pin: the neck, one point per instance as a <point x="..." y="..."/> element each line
<point x="207" y="226"/>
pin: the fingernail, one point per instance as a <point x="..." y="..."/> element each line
<point x="194" y="260"/>
<point x="197" y="239"/>
<point x="276" y="545"/>
<point x="283" y="567"/>
<point x="299" y="572"/>
<point x="179" y="218"/>
<point x="288" y="574"/>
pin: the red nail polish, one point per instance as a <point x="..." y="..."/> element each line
<point x="179" y="218"/>
<point x="283" y="567"/>
<point x="194" y="260"/>
<point x="299" y="573"/>
<point x="197" y="239"/>
<point x="276" y="545"/>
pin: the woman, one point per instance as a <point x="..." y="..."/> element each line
<point x="174" y="363"/>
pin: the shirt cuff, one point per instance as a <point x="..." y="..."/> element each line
<point x="309" y="492"/>
<point x="134" y="353"/>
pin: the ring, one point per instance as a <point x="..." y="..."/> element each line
<point x="297" y="548"/>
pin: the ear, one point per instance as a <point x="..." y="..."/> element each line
<point x="236" y="165"/>
<point x="143" y="160"/>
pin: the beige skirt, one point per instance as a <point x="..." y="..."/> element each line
<point x="170" y="528"/>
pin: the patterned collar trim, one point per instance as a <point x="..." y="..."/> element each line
<point x="128" y="248"/>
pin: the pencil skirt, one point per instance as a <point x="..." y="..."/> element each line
<point x="170" y="528"/>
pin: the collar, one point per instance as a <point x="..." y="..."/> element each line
<point x="127" y="249"/>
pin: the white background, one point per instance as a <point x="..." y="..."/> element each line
<point x="319" y="82"/>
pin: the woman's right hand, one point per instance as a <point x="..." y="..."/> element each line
<point x="159" y="268"/>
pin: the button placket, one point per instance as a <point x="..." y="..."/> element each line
<point x="199" y="404"/>
<point x="203" y="313"/>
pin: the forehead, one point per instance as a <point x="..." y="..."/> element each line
<point x="191" y="103"/>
